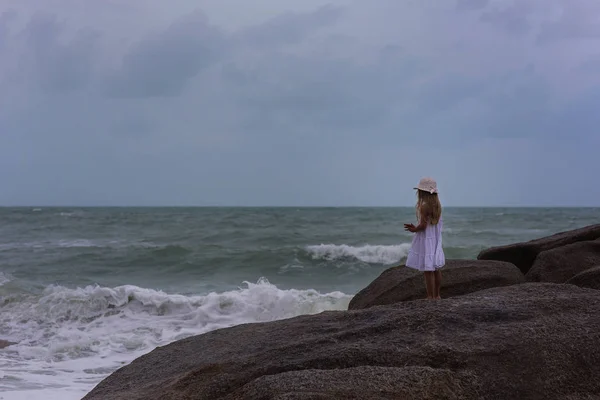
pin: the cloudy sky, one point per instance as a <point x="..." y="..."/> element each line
<point x="299" y="102"/>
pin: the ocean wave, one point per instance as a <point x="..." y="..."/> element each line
<point x="375" y="254"/>
<point x="171" y="250"/>
<point x="76" y="213"/>
<point x="4" y="279"/>
<point x="84" y="334"/>
<point x="70" y="323"/>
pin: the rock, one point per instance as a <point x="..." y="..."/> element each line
<point x="458" y="277"/>
<point x="590" y="278"/>
<point x="358" y="383"/>
<point x="563" y="263"/>
<point x="4" y="343"/>
<point x="524" y="254"/>
<point x="529" y="341"/>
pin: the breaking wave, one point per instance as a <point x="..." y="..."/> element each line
<point x="376" y="254"/>
<point x="94" y="330"/>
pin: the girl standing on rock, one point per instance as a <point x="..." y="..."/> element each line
<point x="426" y="253"/>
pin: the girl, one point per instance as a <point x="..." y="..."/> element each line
<point x="426" y="253"/>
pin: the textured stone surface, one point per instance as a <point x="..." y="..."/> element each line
<point x="458" y="277"/>
<point x="563" y="263"/>
<point x="590" y="278"/>
<point x="524" y="254"/>
<point x="528" y="341"/>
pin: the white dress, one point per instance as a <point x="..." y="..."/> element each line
<point x="426" y="252"/>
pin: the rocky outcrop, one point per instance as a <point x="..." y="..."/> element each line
<point x="562" y="263"/>
<point x="4" y="343"/>
<point x="458" y="277"/>
<point x="524" y="254"/>
<point x="529" y="341"/>
<point x="590" y="278"/>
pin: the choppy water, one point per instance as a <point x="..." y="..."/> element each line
<point x="84" y="291"/>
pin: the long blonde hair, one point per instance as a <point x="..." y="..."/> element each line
<point x="428" y="204"/>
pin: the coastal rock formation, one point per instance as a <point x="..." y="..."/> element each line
<point x="458" y="277"/>
<point x="524" y="254"/>
<point x="528" y="341"/>
<point x="563" y="263"/>
<point x="4" y="343"/>
<point x="590" y="278"/>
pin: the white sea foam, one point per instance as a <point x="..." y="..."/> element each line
<point x="4" y="279"/>
<point x="78" y="213"/>
<point x="70" y="339"/>
<point x="378" y="254"/>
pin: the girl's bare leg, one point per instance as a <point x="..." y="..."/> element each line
<point x="437" y="284"/>
<point x="430" y="284"/>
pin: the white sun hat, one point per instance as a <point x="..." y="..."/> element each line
<point x="427" y="185"/>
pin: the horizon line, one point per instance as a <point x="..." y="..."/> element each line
<point x="289" y="206"/>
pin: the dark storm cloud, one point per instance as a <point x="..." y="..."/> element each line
<point x="307" y="92"/>
<point x="44" y="56"/>
<point x="162" y="64"/>
<point x="317" y="105"/>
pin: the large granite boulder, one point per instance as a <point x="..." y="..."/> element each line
<point x="590" y="278"/>
<point x="458" y="277"/>
<point x="529" y="341"/>
<point x="524" y="254"/>
<point x="562" y="263"/>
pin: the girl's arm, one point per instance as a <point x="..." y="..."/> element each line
<point x="422" y="224"/>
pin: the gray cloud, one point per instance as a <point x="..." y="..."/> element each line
<point x="513" y="19"/>
<point x="163" y="63"/>
<point x="471" y="5"/>
<point x="309" y="107"/>
<point x="578" y="19"/>
<point x="55" y="64"/>
<point x="6" y="18"/>
<point x="517" y="105"/>
<point x="60" y="67"/>
<point x="289" y="28"/>
<point x="326" y="93"/>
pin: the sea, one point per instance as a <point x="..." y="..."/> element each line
<point x="84" y="291"/>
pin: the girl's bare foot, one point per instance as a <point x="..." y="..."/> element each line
<point x="438" y="298"/>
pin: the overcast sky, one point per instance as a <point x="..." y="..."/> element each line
<point x="299" y="102"/>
